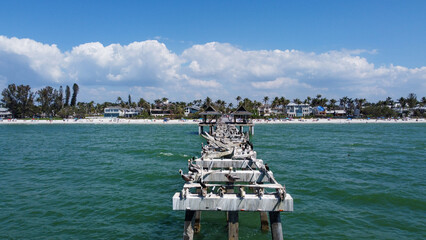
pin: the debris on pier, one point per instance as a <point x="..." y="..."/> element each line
<point x="229" y="177"/>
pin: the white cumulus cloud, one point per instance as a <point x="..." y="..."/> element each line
<point x="149" y="69"/>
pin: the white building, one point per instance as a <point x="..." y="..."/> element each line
<point x="5" y="113"/>
<point x="338" y="112"/>
<point x="132" y="112"/>
<point x="265" y="110"/>
<point x="298" y="110"/>
<point x="191" y="109"/>
<point x="113" y="112"/>
<point x="159" y="112"/>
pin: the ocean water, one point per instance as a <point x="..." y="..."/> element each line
<point x="348" y="181"/>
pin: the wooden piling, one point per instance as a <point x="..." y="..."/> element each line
<point x="251" y="129"/>
<point x="233" y="225"/>
<point x="188" y="229"/>
<point x="264" y="224"/>
<point x="197" y="222"/>
<point x="229" y="189"/>
<point x="276" y="227"/>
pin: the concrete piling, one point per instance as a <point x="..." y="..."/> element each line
<point x="276" y="227"/>
<point x="233" y="226"/>
<point x="264" y="224"/>
<point x="188" y="229"/>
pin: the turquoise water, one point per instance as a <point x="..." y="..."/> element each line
<point x="349" y="181"/>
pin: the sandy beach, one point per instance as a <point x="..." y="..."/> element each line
<point x="190" y="121"/>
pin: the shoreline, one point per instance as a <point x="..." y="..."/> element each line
<point x="180" y="122"/>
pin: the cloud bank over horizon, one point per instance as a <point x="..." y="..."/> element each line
<point x="150" y="70"/>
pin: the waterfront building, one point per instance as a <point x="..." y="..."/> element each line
<point x="132" y="112"/>
<point x="298" y="110"/>
<point x="191" y="110"/>
<point x="265" y="110"/>
<point x="279" y="110"/>
<point x="5" y="113"/>
<point x="113" y="112"/>
<point x="156" y="112"/>
<point x="337" y="113"/>
<point x="319" y="111"/>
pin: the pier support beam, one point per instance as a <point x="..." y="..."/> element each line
<point x="197" y="223"/>
<point x="188" y="229"/>
<point x="233" y="225"/>
<point x="276" y="227"/>
<point x="251" y="129"/>
<point x="264" y="224"/>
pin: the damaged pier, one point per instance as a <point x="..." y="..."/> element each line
<point x="229" y="177"/>
<point x="240" y="119"/>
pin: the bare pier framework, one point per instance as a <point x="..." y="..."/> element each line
<point x="229" y="177"/>
<point x="240" y="119"/>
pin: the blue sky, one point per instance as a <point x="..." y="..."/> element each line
<point x="190" y="49"/>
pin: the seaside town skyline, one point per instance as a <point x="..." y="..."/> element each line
<point x="20" y="101"/>
<point x="221" y="50"/>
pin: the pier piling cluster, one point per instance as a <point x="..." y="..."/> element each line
<point x="229" y="177"/>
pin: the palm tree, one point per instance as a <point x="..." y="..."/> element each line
<point x="307" y="100"/>
<point x="343" y="101"/>
<point x="411" y="100"/>
<point x="157" y="102"/>
<point x="275" y="102"/>
<point x="207" y="102"/>
<point x="297" y="101"/>
<point x="403" y="102"/>
<point x="238" y="98"/>
<point x="119" y="101"/>
<point x="351" y="105"/>
<point x="389" y="101"/>
<point x="220" y="104"/>
<point x="284" y="102"/>
<point x="360" y="102"/>
<point x="332" y="103"/>
<point x="230" y="106"/>
<point x="266" y="99"/>
<point x="423" y="101"/>
<point x="323" y="101"/>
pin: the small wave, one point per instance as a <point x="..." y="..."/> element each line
<point x="166" y="154"/>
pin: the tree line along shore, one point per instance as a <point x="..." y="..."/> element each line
<point x="20" y="101"/>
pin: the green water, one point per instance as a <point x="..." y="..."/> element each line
<point x="349" y="181"/>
